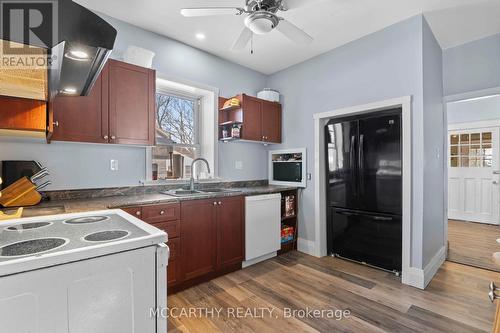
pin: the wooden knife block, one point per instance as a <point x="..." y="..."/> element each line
<point x="21" y="193"/>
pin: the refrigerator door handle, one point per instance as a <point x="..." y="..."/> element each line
<point x="352" y="158"/>
<point x="345" y="213"/>
<point x="361" y="164"/>
<point x="382" y="218"/>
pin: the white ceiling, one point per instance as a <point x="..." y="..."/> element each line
<point x="332" y="23"/>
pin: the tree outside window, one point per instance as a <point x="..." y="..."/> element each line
<point x="176" y="136"/>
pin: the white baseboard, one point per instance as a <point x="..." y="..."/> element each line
<point x="306" y="246"/>
<point x="420" y="278"/>
<point x="258" y="259"/>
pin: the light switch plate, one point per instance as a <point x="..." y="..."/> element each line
<point x="238" y="165"/>
<point x="113" y="165"/>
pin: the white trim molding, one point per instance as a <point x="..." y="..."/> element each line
<point x="420" y="278"/>
<point x="305" y="246"/>
<point x="320" y="119"/>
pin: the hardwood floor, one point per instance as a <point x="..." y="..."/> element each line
<point x="473" y="244"/>
<point x="455" y="301"/>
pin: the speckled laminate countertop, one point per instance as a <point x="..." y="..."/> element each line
<point x="120" y="201"/>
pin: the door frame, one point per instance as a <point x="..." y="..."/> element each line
<point x="472" y="126"/>
<point x="320" y="119"/>
<point x="446" y="100"/>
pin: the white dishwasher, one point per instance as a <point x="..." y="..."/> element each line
<point x="262" y="227"/>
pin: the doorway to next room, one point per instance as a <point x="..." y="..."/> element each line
<point x="473" y="182"/>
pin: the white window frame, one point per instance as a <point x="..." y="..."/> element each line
<point x="206" y="122"/>
<point x="197" y="103"/>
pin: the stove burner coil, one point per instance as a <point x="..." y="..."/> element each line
<point x="106" y="236"/>
<point x="28" y="226"/>
<point x="86" y="219"/>
<point x="31" y="247"/>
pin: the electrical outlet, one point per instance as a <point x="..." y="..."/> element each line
<point x="113" y="165"/>
<point x="309" y="176"/>
<point x="238" y="165"/>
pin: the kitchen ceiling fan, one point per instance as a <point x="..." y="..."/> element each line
<point x="261" y="18"/>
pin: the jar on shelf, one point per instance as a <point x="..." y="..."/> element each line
<point x="235" y="131"/>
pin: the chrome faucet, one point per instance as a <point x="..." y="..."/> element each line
<point x="191" y="180"/>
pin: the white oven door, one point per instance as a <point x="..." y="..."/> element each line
<point x="109" y="294"/>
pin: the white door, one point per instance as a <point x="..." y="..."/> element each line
<point x="473" y="190"/>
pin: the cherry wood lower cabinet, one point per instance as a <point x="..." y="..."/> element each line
<point x="164" y="217"/>
<point x="230" y="232"/>
<point x="206" y="237"/>
<point x="199" y="238"/>
<point x="212" y="238"/>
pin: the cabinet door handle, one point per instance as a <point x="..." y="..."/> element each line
<point x="138" y="213"/>
<point x="215" y="203"/>
<point x="220" y="203"/>
<point x="162" y="212"/>
<point x="105" y="137"/>
<point x="55" y="123"/>
<point x="113" y="137"/>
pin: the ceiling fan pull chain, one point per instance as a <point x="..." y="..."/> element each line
<point x="251" y="44"/>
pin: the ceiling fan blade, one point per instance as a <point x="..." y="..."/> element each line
<point x="293" y="4"/>
<point x="293" y="32"/>
<point x="211" y="11"/>
<point x="242" y="40"/>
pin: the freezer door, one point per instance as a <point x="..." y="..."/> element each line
<point x="379" y="158"/>
<point x="367" y="238"/>
<point x="341" y="145"/>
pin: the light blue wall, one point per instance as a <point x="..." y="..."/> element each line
<point x="383" y="65"/>
<point x="87" y="166"/>
<point x="473" y="66"/>
<point x="75" y="166"/>
<point x="474" y="110"/>
<point x="434" y="147"/>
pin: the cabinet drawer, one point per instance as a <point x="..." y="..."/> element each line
<point x="172" y="228"/>
<point x="134" y="211"/>
<point x="161" y="213"/>
<point x="174" y="246"/>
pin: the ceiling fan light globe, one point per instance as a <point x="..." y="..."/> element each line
<point x="261" y="23"/>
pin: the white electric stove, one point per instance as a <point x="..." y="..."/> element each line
<point x="101" y="271"/>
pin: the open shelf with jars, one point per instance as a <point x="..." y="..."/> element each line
<point x="252" y="120"/>
<point x="289" y="224"/>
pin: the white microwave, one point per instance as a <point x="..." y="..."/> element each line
<point x="288" y="167"/>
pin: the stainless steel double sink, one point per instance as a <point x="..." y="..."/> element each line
<point x="188" y="193"/>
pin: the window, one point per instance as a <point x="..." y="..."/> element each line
<point x="176" y="136"/>
<point x="471" y="150"/>
<point x="175" y="119"/>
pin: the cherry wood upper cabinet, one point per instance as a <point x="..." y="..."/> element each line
<point x="120" y="109"/>
<point x="271" y="122"/>
<point x="252" y="118"/>
<point x="131" y="104"/>
<point x="260" y="119"/>
<point x="83" y="118"/>
<point x="230" y="232"/>
<point x="198" y="238"/>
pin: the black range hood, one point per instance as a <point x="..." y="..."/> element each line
<point x="78" y="50"/>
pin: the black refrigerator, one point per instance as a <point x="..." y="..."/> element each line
<point x="364" y="190"/>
